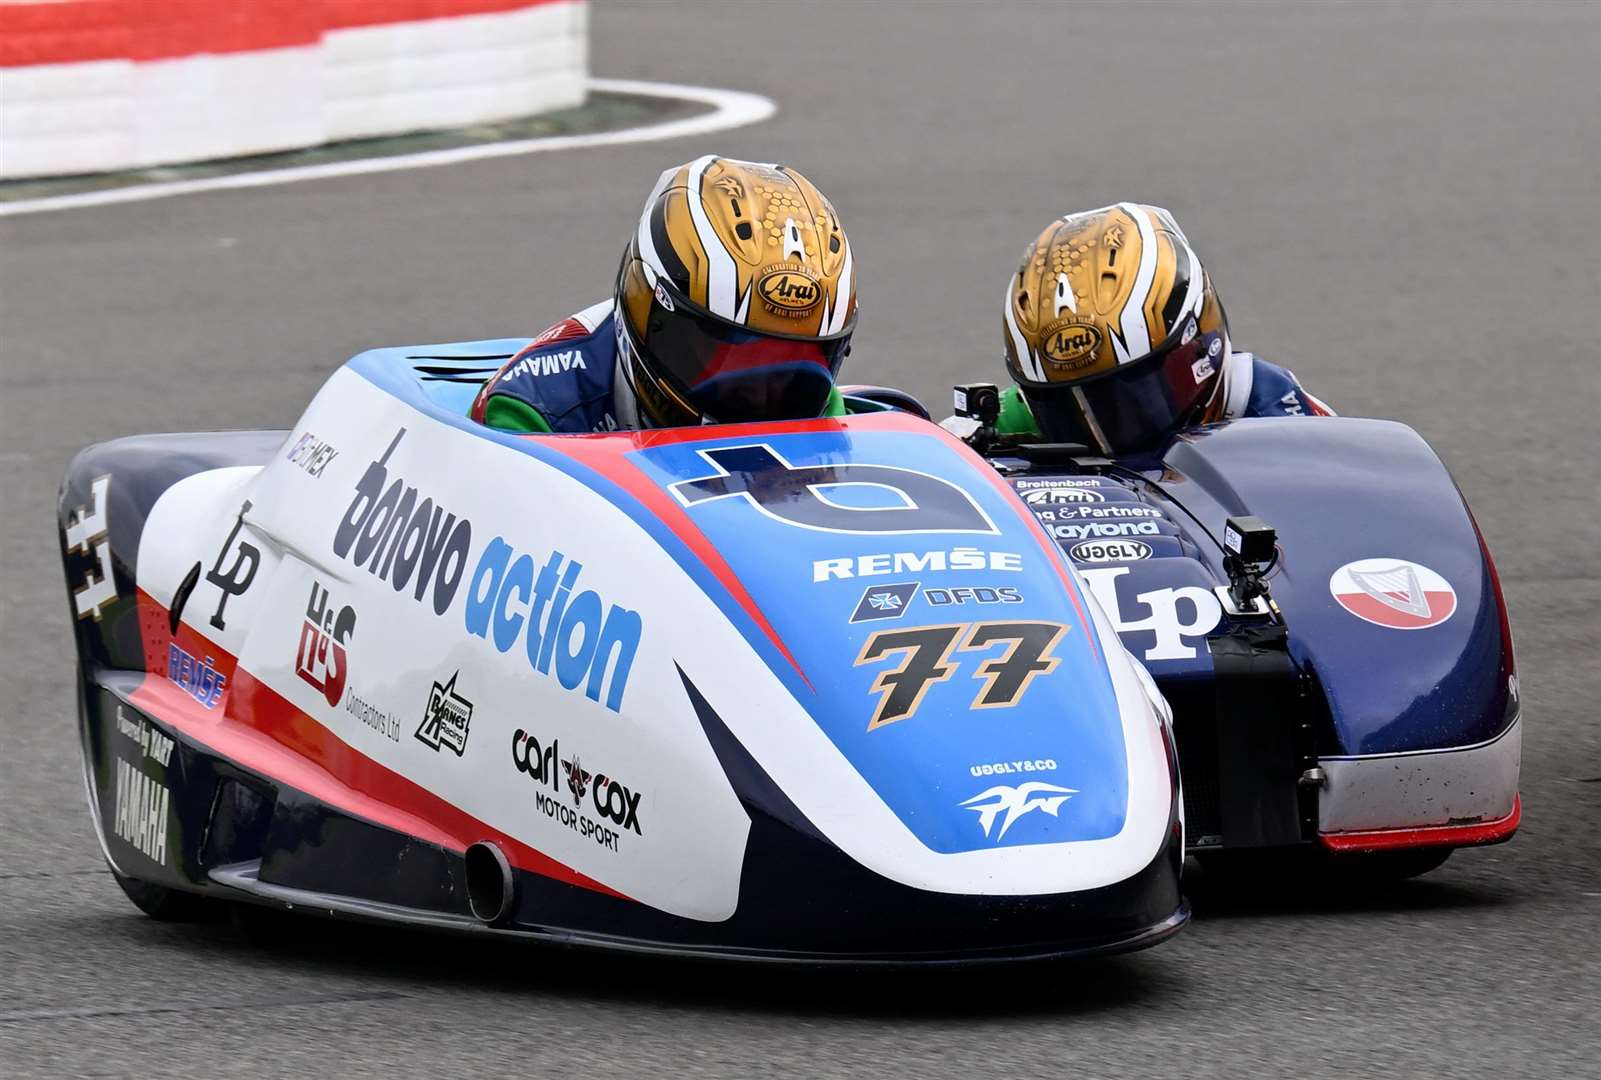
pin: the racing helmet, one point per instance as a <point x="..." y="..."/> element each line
<point x="736" y="297"/>
<point x="1113" y="331"/>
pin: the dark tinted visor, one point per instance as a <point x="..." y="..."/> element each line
<point x="1134" y="406"/>
<point x="732" y="374"/>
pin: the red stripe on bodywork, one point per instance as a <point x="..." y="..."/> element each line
<point x="1484" y="832"/>
<point x="258" y="729"/>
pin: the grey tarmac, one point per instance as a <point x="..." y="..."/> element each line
<point x="1397" y="201"/>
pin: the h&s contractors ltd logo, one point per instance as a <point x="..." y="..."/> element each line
<point x="1011" y="803"/>
<point x="320" y="660"/>
<point x="446" y="718"/>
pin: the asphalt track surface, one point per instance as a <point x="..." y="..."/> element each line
<point x="1399" y="203"/>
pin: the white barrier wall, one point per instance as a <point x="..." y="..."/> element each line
<point x="384" y="77"/>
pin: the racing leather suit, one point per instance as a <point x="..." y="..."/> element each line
<point x="1250" y="387"/>
<point x="567" y="381"/>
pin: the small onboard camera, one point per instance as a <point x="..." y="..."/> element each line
<point x="1250" y="548"/>
<point x="978" y="407"/>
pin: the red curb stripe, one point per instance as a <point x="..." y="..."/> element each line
<point x="84" y="31"/>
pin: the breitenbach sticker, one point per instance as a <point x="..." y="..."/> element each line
<point x="1394" y="593"/>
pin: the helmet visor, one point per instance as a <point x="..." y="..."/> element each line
<point x="731" y="374"/>
<point x="1133" y="406"/>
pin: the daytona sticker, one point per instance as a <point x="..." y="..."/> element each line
<point x="1394" y="593"/>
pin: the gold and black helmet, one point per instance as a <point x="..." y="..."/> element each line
<point x="1113" y="330"/>
<point x="736" y="297"/>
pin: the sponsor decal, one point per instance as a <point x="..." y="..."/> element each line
<point x="1202" y="369"/>
<point x="926" y="658"/>
<point x="87" y="530"/>
<point x="1004" y="768"/>
<point x="140" y="814"/>
<point x="1117" y="511"/>
<point x="1214" y="347"/>
<point x="383" y="722"/>
<point x="1001" y="594"/>
<point x="1015" y="802"/>
<point x="1105" y="551"/>
<point x="664" y="298"/>
<point x="396" y="535"/>
<point x="240" y="573"/>
<point x="154" y="746"/>
<point x="200" y="679"/>
<point x="1105" y="529"/>
<point x="311" y="454"/>
<point x="320" y="660"/>
<point x="574" y="636"/>
<point x="1059" y="482"/>
<point x="1070" y="345"/>
<point x="446" y="718"/>
<point x="915" y="562"/>
<point x="788" y="291"/>
<point x="839" y="498"/>
<point x="884" y="602"/>
<point x="1201" y="606"/>
<point x="1291" y="404"/>
<point x="598" y="800"/>
<point x="547" y="364"/>
<point x="1189" y="331"/>
<point x="1393" y="593"/>
<point x="1055" y="496"/>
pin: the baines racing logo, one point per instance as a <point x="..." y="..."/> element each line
<point x="596" y="797"/>
<point x="1011" y="803"/>
<point x="320" y="660"/>
<point x="87" y="532"/>
<point x="311" y="455"/>
<point x="200" y="679"/>
<point x="398" y="534"/>
<point x="446" y="718"/>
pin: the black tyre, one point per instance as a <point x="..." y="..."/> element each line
<point x="1379" y="866"/>
<point x="164" y="904"/>
<point x="1315" y="867"/>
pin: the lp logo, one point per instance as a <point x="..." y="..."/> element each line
<point x="1203" y="608"/>
<point x="877" y="499"/>
<point x="237" y="578"/>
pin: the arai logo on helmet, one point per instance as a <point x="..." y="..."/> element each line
<point x="1070" y="343"/>
<point x="789" y="290"/>
<point x="1394" y="593"/>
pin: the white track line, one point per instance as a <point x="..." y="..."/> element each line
<point x="730" y="109"/>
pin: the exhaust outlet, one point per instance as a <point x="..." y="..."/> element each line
<point x="491" y="888"/>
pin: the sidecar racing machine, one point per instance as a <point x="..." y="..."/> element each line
<point x="832" y="690"/>
<point x="678" y="690"/>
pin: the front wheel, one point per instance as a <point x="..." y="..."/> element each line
<point x="164" y="904"/>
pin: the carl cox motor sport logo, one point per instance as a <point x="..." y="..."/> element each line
<point x="1394" y="593"/>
